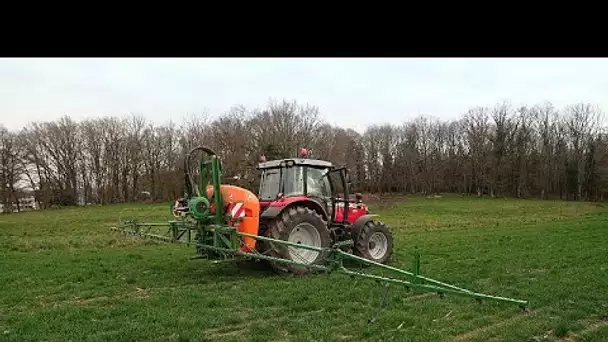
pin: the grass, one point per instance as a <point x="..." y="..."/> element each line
<point x="66" y="277"/>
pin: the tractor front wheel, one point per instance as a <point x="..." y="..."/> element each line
<point x="298" y="225"/>
<point x="374" y="242"/>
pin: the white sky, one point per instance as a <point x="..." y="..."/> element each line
<point x="349" y="92"/>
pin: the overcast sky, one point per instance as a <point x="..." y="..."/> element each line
<point x="350" y="92"/>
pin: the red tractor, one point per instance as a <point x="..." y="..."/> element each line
<point x="303" y="201"/>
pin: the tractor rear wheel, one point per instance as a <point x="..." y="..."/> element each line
<point x="299" y="225"/>
<point x="374" y="242"/>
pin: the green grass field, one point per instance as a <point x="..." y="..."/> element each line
<point x="66" y="277"/>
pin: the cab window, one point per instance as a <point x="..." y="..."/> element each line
<point x="318" y="183"/>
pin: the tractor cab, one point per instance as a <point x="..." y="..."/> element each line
<point x="294" y="177"/>
<point x="286" y="181"/>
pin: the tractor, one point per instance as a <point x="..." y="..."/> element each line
<point x="307" y="201"/>
<point x="302" y="220"/>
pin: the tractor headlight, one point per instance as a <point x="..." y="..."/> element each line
<point x="199" y="207"/>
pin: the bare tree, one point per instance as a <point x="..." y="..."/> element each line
<point x="581" y="120"/>
<point x="521" y="151"/>
<point x="10" y="169"/>
<point x="477" y="132"/>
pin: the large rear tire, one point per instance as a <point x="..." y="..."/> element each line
<point x="374" y="242"/>
<point x="298" y="225"/>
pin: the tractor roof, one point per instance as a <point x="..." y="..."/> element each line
<point x="296" y="161"/>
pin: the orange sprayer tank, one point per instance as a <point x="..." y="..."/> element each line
<point x="248" y="224"/>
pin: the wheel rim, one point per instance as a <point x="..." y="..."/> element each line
<point x="378" y="245"/>
<point x="304" y="234"/>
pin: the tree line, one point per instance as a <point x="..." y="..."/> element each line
<point x="529" y="151"/>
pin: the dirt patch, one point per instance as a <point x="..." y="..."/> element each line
<point x="370" y="198"/>
<point x="594" y="326"/>
<point x="243" y="327"/>
<point x="89" y="300"/>
<point x="137" y="294"/>
<point x="383" y="201"/>
<point x="537" y="270"/>
<point x="217" y="334"/>
<point x="420" y="296"/>
<point x="473" y="333"/>
<point x="75" y="302"/>
<point x="345" y="337"/>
